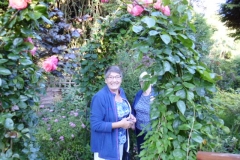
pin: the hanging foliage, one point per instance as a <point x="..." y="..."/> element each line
<point x="183" y="121"/>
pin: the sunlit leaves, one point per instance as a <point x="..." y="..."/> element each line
<point x="166" y="38"/>
<point x="149" y="21"/>
<point x="137" y="29"/>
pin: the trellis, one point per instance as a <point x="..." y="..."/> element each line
<point x="55" y="86"/>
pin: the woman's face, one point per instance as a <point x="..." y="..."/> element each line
<point x="113" y="81"/>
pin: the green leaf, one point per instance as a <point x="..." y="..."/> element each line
<point x="187" y="77"/>
<point x="46" y="20"/>
<point x="173" y="98"/>
<point x="35" y="15"/>
<point x="178" y="87"/>
<point x="9" y="153"/>
<point x="181" y="106"/>
<point x="40" y="8"/>
<point x="166" y="38"/>
<point x="17" y="41"/>
<point x="13" y="21"/>
<point x="22" y="105"/>
<point x="4" y="71"/>
<point x="26" y="31"/>
<point x="197" y="138"/>
<point x="226" y="129"/>
<point x="149" y="21"/>
<point x="181" y="93"/>
<point x="176" y="123"/>
<point x="19" y="83"/>
<point x="153" y="33"/>
<point x="13" y="56"/>
<point x="25" y="61"/>
<point x="178" y="153"/>
<point x="184" y="127"/>
<point x="167" y="66"/>
<point x="20" y="126"/>
<point x="15" y="155"/>
<point x="3" y="61"/>
<point x="0" y="82"/>
<point x="181" y="8"/>
<point x="137" y="29"/>
<point x="188" y="85"/>
<point x="25" y="130"/>
<point x="197" y="126"/>
<point x="9" y="124"/>
<point x="23" y="98"/>
<point x="190" y="95"/>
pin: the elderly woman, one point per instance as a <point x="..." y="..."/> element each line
<point x="141" y="109"/>
<point x="110" y="118"/>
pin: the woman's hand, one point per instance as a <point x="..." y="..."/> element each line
<point x="127" y="123"/>
<point x="132" y="118"/>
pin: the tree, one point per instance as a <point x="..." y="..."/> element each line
<point x="229" y="13"/>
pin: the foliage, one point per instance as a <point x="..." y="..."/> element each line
<point x="64" y="127"/>
<point x="202" y="34"/>
<point x="230" y="16"/>
<point x="54" y="38"/>
<point x="227" y="105"/>
<point x="229" y="70"/>
<point x="182" y="118"/>
<point x="21" y="81"/>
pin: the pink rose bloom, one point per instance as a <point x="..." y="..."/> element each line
<point x="29" y="39"/>
<point x="166" y="11"/>
<point x="135" y="10"/>
<point x="54" y="59"/>
<point x="33" y="51"/>
<point x="104" y="1"/>
<point x="50" y="64"/>
<point x="157" y="5"/>
<point x="19" y="4"/>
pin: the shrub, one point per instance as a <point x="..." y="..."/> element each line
<point x="227" y="105"/>
<point x="64" y="128"/>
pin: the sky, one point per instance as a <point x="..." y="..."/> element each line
<point x="211" y="7"/>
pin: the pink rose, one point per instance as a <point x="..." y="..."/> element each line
<point x="104" y="1"/>
<point x="50" y="64"/>
<point x="33" y="51"/>
<point x="157" y="5"/>
<point x="19" y="4"/>
<point x="166" y="11"/>
<point x="54" y="59"/>
<point x="135" y="10"/>
<point x="29" y="39"/>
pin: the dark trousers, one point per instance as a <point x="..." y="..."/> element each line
<point x="140" y="139"/>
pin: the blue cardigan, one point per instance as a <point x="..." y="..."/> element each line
<point x="104" y="139"/>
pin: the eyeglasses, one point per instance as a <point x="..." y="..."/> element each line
<point x="116" y="77"/>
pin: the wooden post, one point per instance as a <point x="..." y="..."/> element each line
<point x="217" y="156"/>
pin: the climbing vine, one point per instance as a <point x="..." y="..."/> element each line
<point x="183" y="121"/>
